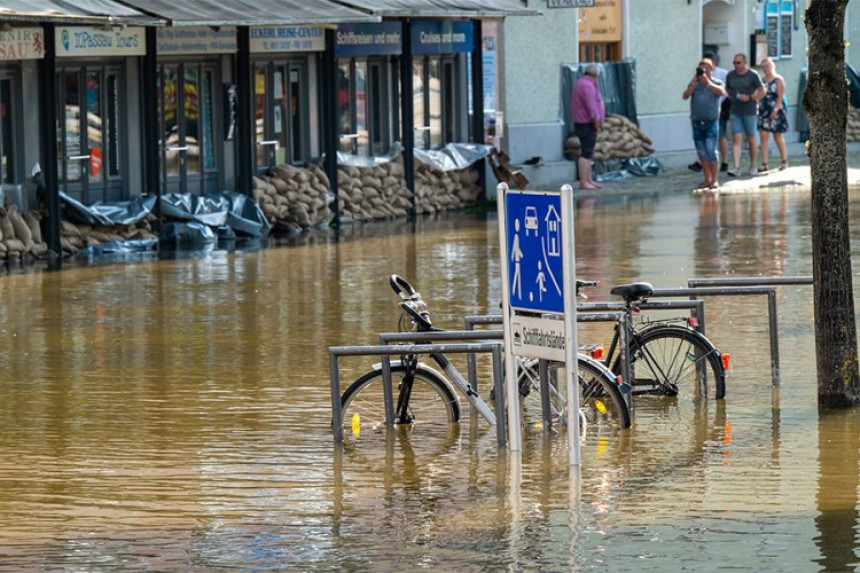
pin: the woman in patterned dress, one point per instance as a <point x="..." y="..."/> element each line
<point x="772" y="118"/>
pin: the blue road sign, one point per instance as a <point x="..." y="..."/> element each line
<point x="533" y="223"/>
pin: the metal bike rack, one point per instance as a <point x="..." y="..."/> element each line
<point x="385" y="351"/>
<point x="733" y="284"/>
<point x="770" y="292"/>
<point x="586" y="315"/>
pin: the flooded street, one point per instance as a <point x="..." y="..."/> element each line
<point x="174" y="415"/>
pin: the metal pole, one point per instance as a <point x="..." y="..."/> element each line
<point x="545" y="409"/>
<point x="501" y="419"/>
<point x="386" y="390"/>
<point x="774" y="338"/>
<point x="570" y="344"/>
<point x="336" y="410"/>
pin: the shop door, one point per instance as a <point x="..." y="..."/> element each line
<point x="281" y="111"/>
<point x="189" y="159"/>
<point x="8" y="172"/>
<point x="90" y="146"/>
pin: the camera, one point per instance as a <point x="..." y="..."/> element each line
<point x="700" y="72"/>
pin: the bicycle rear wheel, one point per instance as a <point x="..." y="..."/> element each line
<point x="672" y="360"/>
<point x="431" y="402"/>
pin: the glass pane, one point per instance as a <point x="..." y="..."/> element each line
<point x="344" y="103"/>
<point x="295" y="116"/>
<point x="260" y="114"/>
<point x="95" y="142"/>
<point x="112" y="127"/>
<point x="279" y="114"/>
<point x="435" y="103"/>
<point x="362" y="141"/>
<point x="7" y="175"/>
<point x="170" y="119"/>
<point x="72" y="143"/>
<point x="207" y="114"/>
<point x="192" y="118"/>
<point x="418" y="103"/>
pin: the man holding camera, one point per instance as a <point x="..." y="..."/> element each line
<point x="704" y="93"/>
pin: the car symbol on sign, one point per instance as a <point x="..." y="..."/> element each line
<point x="531" y="220"/>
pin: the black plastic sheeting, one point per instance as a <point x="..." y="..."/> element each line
<point x="616" y="83"/>
<point x="853" y="78"/>
<point x="188" y="218"/>
<point x="615" y="169"/>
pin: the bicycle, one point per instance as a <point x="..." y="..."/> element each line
<point x="427" y="396"/>
<point x="667" y="356"/>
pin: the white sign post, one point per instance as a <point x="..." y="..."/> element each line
<point x="539" y="294"/>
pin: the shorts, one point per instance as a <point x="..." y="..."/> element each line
<point x="587" y="138"/>
<point x="705" y="135"/>
<point x="746" y="124"/>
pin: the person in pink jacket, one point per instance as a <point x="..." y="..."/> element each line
<point x="588" y="113"/>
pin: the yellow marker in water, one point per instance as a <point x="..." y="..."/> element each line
<point x="356" y="424"/>
<point x="601" y="407"/>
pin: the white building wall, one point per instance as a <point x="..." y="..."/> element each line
<point x="533" y="50"/>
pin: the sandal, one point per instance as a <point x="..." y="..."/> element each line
<point x="783" y="165"/>
<point x="764" y="168"/>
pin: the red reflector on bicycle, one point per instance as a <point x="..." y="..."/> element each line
<point x="726" y="358"/>
<point x="694" y="322"/>
<point x="598" y="353"/>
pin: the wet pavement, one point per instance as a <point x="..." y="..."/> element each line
<point x="681" y="179"/>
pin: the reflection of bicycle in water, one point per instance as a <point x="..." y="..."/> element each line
<point x="426" y="396"/>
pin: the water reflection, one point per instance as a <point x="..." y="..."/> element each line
<point x="174" y="414"/>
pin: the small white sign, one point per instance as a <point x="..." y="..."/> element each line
<point x="22" y="44"/>
<point x="535" y="337"/>
<point x="75" y="41"/>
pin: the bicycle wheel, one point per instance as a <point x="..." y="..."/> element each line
<point x="672" y="360"/>
<point x="600" y="399"/>
<point x="431" y="401"/>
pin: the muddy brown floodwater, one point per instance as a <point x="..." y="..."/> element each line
<point x="173" y="415"/>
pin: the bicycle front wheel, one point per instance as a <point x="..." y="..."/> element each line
<point x="671" y="360"/>
<point x="431" y="401"/>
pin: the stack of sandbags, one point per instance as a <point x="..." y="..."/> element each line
<point x="852" y="132"/>
<point x="618" y="138"/>
<point x="291" y="195"/>
<point x="444" y="190"/>
<point x="20" y="235"/>
<point x="77" y="236"/>
<point x="377" y="192"/>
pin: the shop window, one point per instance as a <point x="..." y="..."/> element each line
<point x="600" y="52"/>
<point x="8" y="171"/>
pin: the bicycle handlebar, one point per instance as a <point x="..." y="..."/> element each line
<point x="411" y="302"/>
<point x="401" y="286"/>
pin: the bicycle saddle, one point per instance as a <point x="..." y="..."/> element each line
<point x="633" y="291"/>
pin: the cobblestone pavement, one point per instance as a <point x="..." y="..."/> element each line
<point x="679" y="180"/>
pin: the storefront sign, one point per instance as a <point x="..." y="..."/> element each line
<point x="287" y="39"/>
<point x="602" y="23"/>
<point x="203" y="40"/>
<point x="22" y="44"/>
<point x="380" y="39"/>
<point x="92" y="41"/>
<point x="441" y="37"/>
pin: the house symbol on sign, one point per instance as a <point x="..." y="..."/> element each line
<point x="553" y="232"/>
